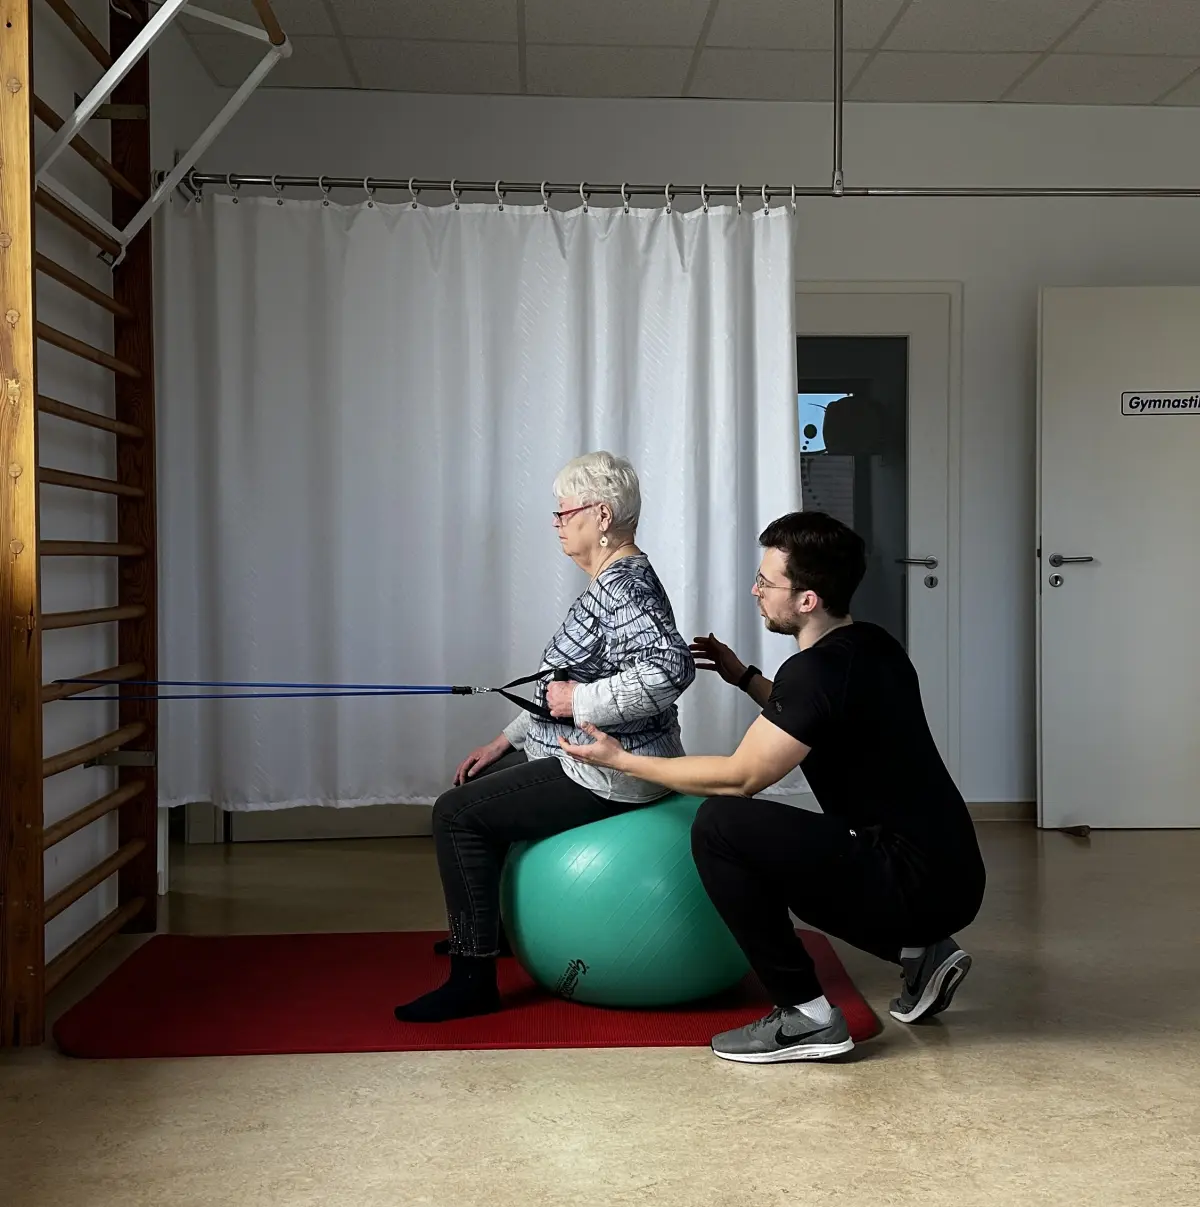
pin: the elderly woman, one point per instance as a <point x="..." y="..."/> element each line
<point x="627" y="665"/>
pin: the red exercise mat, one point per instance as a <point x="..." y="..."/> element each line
<point x="243" y="995"/>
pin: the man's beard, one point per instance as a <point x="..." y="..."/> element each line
<point x="789" y="628"/>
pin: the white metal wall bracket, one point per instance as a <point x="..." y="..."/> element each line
<point x="278" y="47"/>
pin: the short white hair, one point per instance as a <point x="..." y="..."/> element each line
<point x="602" y="477"/>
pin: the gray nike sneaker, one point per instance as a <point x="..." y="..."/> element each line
<point x="785" y="1034"/>
<point x="930" y="982"/>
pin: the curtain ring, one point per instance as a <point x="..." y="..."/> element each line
<point x="231" y="186"/>
<point x="583" y="195"/>
<point x="278" y="189"/>
<point x="667" y="191"/>
<point x="324" y="190"/>
<point x="370" y="192"/>
<point x="766" y="201"/>
<point x="625" y="196"/>
<point x="545" y="199"/>
<point x="793" y="200"/>
<point x="412" y="192"/>
<point x="455" y="193"/>
<point x="499" y="195"/>
<point x="738" y="193"/>
<point x="704" y="197"/>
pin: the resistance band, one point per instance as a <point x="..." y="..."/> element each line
<point x="316" y="691"/>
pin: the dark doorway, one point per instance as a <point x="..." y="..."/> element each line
<point x="853" y="400"/>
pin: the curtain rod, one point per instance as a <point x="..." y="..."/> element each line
<point x="584" y="189"/>
<point x="836" y="188"/>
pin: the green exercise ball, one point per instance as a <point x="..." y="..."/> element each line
<point x="614" y="914"/>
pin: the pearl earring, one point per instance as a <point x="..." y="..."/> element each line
<point x="604" y="542"/>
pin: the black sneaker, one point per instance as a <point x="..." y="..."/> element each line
<point x="930" y="982"/>
<point x="785" y="1034"/>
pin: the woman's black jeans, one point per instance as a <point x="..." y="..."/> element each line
<point x="513" y="800"/>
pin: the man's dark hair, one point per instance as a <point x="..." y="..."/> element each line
<point x="823" y="556"/>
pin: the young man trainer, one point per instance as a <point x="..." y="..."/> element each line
<point x="890" y="865"/>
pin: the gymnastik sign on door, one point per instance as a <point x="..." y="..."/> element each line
<point x="1147" y="403"/>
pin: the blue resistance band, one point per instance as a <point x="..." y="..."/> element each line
<point x="309" y="691"/>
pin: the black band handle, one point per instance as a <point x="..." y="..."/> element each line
<point x="559" y="675"/>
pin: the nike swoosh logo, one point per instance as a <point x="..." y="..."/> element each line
<point x="784" y="1040"/>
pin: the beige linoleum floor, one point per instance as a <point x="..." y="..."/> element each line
<point x="1067" y="1073"/>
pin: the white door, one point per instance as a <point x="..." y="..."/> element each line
<point x="928" y="319"/>
<point x="1119" y="486"/>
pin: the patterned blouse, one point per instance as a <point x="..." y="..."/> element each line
<point x="620" y="643"/>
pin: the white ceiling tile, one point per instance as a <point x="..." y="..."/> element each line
<point x="938" y="78"/>
<point x="615" y="22"/>
<point x="452" y="67"/>
<point x="1188" y="93"/>
<point x="606" y="70"/>
<point x="985" y="25"/>
<point x="437" y="20"/>
<point x="1084" y="79"/>
<point x="314" y="62"/>
<point x="768" y="75"/>
<point x="1139" y="27"/>
<point x="799" y="24"/>
<point x="299" y="18"/>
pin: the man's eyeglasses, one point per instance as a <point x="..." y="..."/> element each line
<point x="761" y="584"/>
<point x="560" y="517"/>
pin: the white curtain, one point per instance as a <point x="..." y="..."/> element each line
<point x="362" y="410"/>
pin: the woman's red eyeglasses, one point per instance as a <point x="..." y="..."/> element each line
<point x="560" y="516"/>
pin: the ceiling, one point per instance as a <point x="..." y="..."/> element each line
<point x="1070" y="52"/>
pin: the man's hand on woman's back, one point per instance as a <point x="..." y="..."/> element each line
<point x="713" y="655"/>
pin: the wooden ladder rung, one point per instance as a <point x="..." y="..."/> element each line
<point x="85" y="289"/>
<point x="104" y="486"/>
<point x="89" y="549"/>
<point x="86" y="151"/>
<point x="78" y="620"/>
<point x="54" y="834"/>
<point x="269" y="22"/>
<point x="64" y="410"/>
<point x="71" y="19"/>
<point x="62" y="691"/>
<point x="90" y="880"/>
<point x="68" y="343"/>
<point x="64" y="964"/>
<point x="78" y="755"/>
<point x="65" y="214"/>
<point x="117" y="113"/>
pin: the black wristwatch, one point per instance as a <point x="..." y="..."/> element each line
<point x="747" y="678"/>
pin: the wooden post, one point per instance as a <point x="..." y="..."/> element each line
<point x="136" y="516"/>
<point x="22" y="942"/>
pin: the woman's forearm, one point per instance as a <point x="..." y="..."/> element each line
<point x="516" y="730"/>
<point x="643" y="690"/>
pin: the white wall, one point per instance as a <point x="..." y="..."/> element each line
<point x="61" y="68"/>
<point x="1002" y="251"/>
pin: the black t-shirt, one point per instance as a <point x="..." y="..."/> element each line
<point x="854" y="699"/>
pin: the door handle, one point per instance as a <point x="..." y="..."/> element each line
<point x="1057" y="559"/>
<point x="930" y="563"/>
